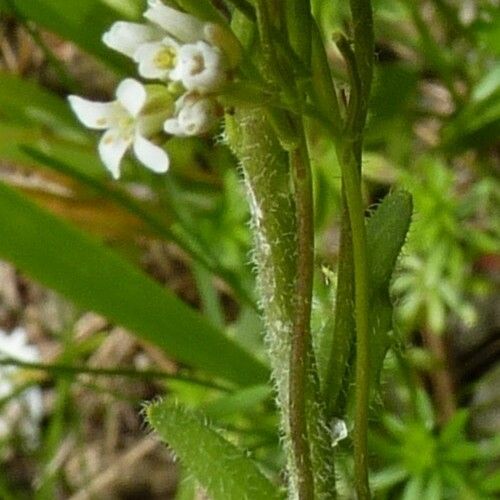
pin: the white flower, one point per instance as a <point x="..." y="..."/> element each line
<point x="182" y="26"/>
<point x="200" y="67"/>
<point x="127" y="37"/>
<point x="195" y="115"/>
<point x="127" y="122"/>
<point x="157" y="59"/>
<point x="188" y="29"/>
<point x="23" y="411"/>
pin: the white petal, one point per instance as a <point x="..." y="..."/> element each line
<point x="131" y="95"/>
<point x="147" y="56"/>
<point x="180" y="25"/>
<point x="126" y="37"/>
<point x="200" y="67"/>
<point x="151" y="155"/>
<point x="112" y="148"/>
<point x="173" y="127"/>
<point x="195" y="116"/>
<point x="95" y="115"/>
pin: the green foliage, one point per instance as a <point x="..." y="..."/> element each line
<point x="433" y="277"/>
<point x="426" y="462"/>
<point x="222" y="469"/>
<point x="63" y="258"/>
<point x="387" y="230"/>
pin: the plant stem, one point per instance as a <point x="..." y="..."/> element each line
<point x="441" y="377"/>
<point x="299" y="20"/>
<point x="59" y="369"/>
<point x="364" y="47"/>
<point x="351" y="176"/>
<point x="301" y="337"/>
<point x="362" y="20"/>
<point x="245" y="7"/>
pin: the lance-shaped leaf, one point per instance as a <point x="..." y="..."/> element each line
<point x="220" y="467"/>
<point x="65" y="259"/>
<point x="386" y="233"/>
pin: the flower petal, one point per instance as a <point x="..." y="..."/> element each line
<point x="148" y="55"/>
<point x="126" y="37"/>
<point x="195" y="116"/>
<point x="184" y="27"/>
<point x="112" y="148"/>
<point x="131" y="95"/>
<point x="200" y="67"/>
<point x="95" y="115"/>
<point x="151" y="155"/>
<point x="173" y="127"/>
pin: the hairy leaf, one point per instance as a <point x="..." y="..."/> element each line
<point x="220" y="467"/>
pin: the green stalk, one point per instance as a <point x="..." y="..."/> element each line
<point x="351" y="176"/>
<point x="61" y="370"/>
<point x="362" y="20"/>
<point x="245" y="7"/>
<point x="267" y="181"/>
<point x="301" y="336"/>
<point x="298" y="20"/>
<point x="364" y="47"/>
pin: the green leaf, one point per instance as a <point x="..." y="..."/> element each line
<point x="221" y="468"/>
<point x="24" y="102"/>
<point x="245" y="400"/>
<point x="434" y="489"/>
<point x="63" y="258"/>
<point x="388" y="477"/>
<point x="386" y="232"/>
<point x="83" y="23"/>
<point x="413" y="489"/>
<point x="202" y="9"/>
<point x="454" y="430"/>
<point x="491" y="484"/>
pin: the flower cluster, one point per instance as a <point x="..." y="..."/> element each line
<point x="23" y="409"/>
<point x="189" y="59"/>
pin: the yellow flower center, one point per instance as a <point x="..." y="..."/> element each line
<point x="166" y="58"/>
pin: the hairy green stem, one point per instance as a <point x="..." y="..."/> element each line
<point x="301" y="337"/>
<point x="268" y="182"/>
